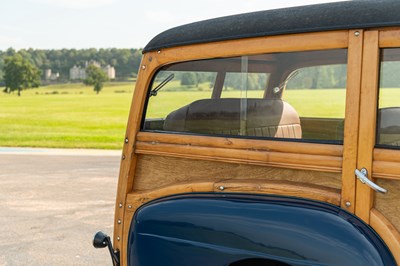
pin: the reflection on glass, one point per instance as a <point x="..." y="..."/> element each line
<point x="388" y="120"/>
<point x="298" y="95"/>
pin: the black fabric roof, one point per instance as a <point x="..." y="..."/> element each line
<point x="331" y="16"/>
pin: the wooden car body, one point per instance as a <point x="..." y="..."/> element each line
<point x="316" y="166"/>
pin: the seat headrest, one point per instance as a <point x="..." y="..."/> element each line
<point x="212" y="115"/>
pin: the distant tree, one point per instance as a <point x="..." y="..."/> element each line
<point x="20" y="74"/>
<point x="95" y="76"/>
<point x="125" y="61"/>
<point x="10" y="52"/>
<point x="189" y="79"/>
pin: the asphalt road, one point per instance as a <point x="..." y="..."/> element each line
<point x="51" y="204"/>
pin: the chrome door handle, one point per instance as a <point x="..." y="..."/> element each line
<point x="362" y="175"/>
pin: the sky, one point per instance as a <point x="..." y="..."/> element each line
<point x="57" y="24"/>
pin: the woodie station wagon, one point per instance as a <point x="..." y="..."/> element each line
<point x="267" y="138"/>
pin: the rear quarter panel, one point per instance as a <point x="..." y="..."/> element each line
<point x="220" y="229"/>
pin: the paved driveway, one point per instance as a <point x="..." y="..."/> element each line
<point x="52" y="202"/>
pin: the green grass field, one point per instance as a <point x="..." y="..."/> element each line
<point x="67" y="116"/>
<point x="73" y="116"/>
<point x="312" y="103"/>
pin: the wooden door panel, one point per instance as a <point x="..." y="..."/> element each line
<point x="381" y="211"/>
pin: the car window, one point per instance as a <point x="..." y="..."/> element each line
<point x="298" y="96"/>
<point x="256" y="85"/>
<point x="388" y="118"/>
<point x="326" y="83"/>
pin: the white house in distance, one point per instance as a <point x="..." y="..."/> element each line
<point x="50" y="76"/>
<point x="78" y="73"/>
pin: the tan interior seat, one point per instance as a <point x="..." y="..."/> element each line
<point x="262" y="117"/>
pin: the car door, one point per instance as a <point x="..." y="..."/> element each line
<point x="378" y="153"/>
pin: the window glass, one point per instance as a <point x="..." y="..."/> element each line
<point x="318" y="94"/>
<point x="256" y="85"/>
<point x="323" y="86"/>
<point x="298" y="96"/>
<point x="388" y="119"/>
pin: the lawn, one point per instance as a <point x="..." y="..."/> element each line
<point x="67" y="116"/>
<point x="73" y="116"/>
<point x="327" y="103"/>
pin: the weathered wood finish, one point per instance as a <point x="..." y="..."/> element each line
<point x="153" y="172"/>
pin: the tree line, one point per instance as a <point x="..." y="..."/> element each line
<point x="315" y="77"/>
<point x="24" y="69"/>
<point x="21" y="74"/>
<point x="125" y="61"/>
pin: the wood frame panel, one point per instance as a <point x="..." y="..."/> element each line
<point x="286" y="188"/>
<point x="386" y="164"/>
<point x="350" y="144"/>
<point x="389" y="37"/>
<point x="363" y="49"/>
<point x="368" y="111"/>
<point x="135" y="199"/>
<point x="153" y="171"/>
<point x="387" y="231"/>
<point x="250" y="155"/>
<point x="388" y="204"/>
<point x="240" y="143"/>
<point x="153" y="60"/>
<point x="251" y="46"/>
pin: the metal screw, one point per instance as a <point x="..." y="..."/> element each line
<point x="123" y="157"/>
<point x="357" y="33"/>
<point x="221" y="188"/>
<point x="143" y="67"/>
<point x="119" y="221"/>
<point x="348" y="204"/>
<point x="159" y="52"/>
<point x="120" y="205"/>
<point x="118" y="238"/>
<point x="126" y="140"/>
<point x="130" y="206"/>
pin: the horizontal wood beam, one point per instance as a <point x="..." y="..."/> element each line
<point x="386" y="164"/>
<point x="286" y="188"/>
<point x="241" y="143"/>
<point x="389" y="37"/>
<point x="259" y="45"/>
<point x="256" y="157"/>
